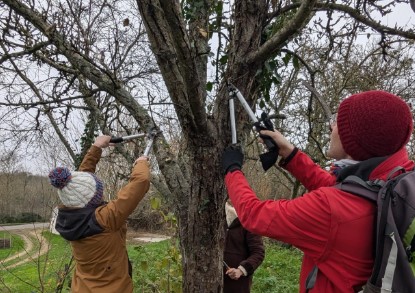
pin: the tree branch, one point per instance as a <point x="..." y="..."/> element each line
<point x="354" y="13"/>
<point x="290" y="29"/>
<point x="172" y="48"/>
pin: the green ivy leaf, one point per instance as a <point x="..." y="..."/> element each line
<point x="223" y="60"/>
<point x="286" y="58"/>
<point x="209" y="86"/>
<point x="155" y="203"/>
<point x="296" y="63"/>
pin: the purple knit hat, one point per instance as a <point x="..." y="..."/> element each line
<point x="373" y="124"/>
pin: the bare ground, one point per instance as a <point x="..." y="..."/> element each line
<point x="135" y="237"/>
<point x="35" y="245"/>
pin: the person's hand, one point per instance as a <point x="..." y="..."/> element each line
<point x="102" y="141"/>
<point x="234" y="274"/>
<point x="142" y="158"/>
<point x="285" y="147"/>
<point x="232" y="159"/>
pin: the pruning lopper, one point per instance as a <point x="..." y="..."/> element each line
<point x="269" y="158"/>
<point x="151" y="135"/>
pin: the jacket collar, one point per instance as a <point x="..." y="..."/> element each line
<point x="361" y="170"/>
<point x="377" y="168"/>
<point x="400" y="158"/>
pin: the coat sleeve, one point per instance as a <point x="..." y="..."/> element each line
<point x="304" y="222"/>
<point x="91" y="159"/>
<point x="256" y="252"/>
<point x="113" y="215"/>
<point x="311" y="175"/>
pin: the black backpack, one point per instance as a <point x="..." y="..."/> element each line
<point x="395" y="229"/>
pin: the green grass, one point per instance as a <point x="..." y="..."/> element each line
<point x="280" y="270"/>
<point x="156" y="267"/>
<point x="16" y="245"/>
<point x="38" y="275"/>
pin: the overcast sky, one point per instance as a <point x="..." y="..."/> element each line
<point x="402" y="15"/>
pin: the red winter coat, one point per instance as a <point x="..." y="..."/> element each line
<point x="333" y="228"/>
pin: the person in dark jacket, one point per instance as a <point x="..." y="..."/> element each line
<point x="243" y="254"/>
<point x="333" y="228"/>
<point x="95" y="229"/>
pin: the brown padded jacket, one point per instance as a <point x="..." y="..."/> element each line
<point x="99" y="242"/>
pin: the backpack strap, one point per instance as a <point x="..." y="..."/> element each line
<point x="395" y="170"/>
<point x="387" y="279"/>
<point x="311" y="279"/>
<point x="366" y="189"/>
<point x="384" y="229"/>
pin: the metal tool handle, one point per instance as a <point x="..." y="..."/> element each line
<point x="232" y="118"/>
<point x="234" y="91"/>
<point x="226" y="265"/>
<point x="126" y="138"/>
<point x="262" y="124"/>
<point x="116" y="139"/>
<point x="153" y="132"/>
<point x="148" y="147"/>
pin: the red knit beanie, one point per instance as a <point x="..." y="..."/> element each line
<point x="373" y="124"/>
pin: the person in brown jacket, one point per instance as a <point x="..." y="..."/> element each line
<point x="96" y="229"/>
<point x="244" y="252"/>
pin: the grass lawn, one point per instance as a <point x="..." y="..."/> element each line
<point x="17" y="245"/>
<point x="38" y="275"/>
<point x="156" y="267"/>
<point x="280" y="270"/>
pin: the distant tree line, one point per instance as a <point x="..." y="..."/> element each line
<point x="25" y="198"/>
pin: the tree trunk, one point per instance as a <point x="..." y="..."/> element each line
<point x="200" y="224"/>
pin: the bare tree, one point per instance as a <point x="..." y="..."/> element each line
<point x="88" y="54"/>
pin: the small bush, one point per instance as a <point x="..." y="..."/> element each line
<point x="21" y="218"/>
<point x="29" y="218"/>
<point x="4" y="219"/>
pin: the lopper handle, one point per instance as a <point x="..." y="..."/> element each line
<point x="116" y="139"/>
<point x="266" y="125"/>
<point x="269" y="142"/>
<point x="126" y="138"/>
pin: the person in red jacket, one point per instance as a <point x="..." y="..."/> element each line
<point x="333" y="228"/>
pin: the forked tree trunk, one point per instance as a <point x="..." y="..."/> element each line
<point x="200" y="200"/>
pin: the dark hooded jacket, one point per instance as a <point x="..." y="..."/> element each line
<point x="242" y="248"/>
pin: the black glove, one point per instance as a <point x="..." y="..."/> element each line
<point x="232" y="159"/>
<point x="268" y="141"/>
<point x="269" y="159"/>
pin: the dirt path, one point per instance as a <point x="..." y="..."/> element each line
<point x="30" y="252"/>
<point x="134" y="237"/>
<point x="35" y="245"/>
